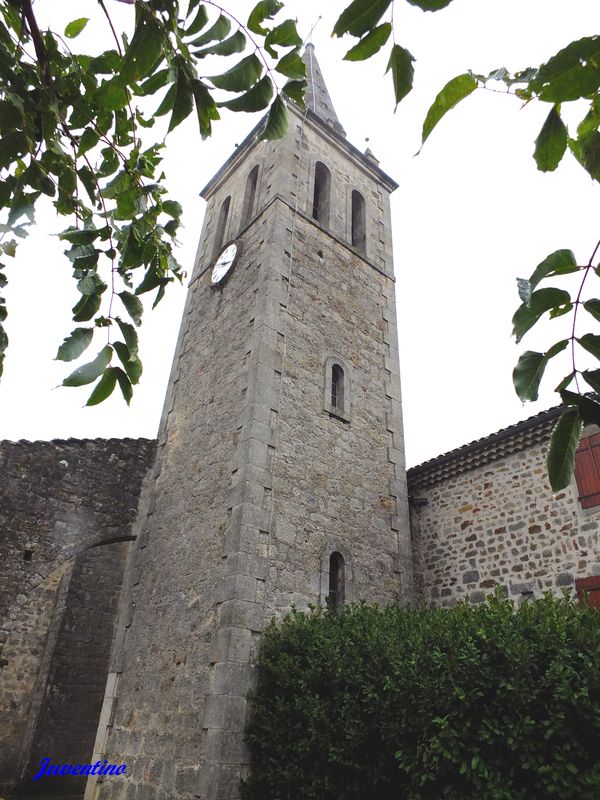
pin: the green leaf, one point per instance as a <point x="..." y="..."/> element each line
<point x="167" y="101"/>
<point x="130" y="336"/>
<point x="561" y="451"/>
<point x="402" y="71"/>
<point x="360" y="16"/>
<point x="124" y="384"/>
<point x="235" y="44"/>
<point x="104" y="388"/>
<point x="172" y="208"/>
<point x="561" y="262"/>
<point x="74" y="28"/>
<point x="530" y="369"/>
<point x="589" y="409"/>
<point x="593" y="307"/>
<point x="277" y="121"/>
<point x="83" y="236"/>
<point x="200" y="20"/>
<point x="292" y="66"/>
<point x="256" y="99"/>
<point x="240" y="77"/>
<point x="74" y="344"/>
<point x="551" y="143"/>
<point x="452" y="93"/>
<point x="144" y="53"/>
<point x="370" y="44"/>
<point x="572" y="73"/>
<point x="89" y="139"/>
<point x="430" y="5"/>
<point x="592" y="377"/>
<point x="590" y="154"/>
<point x="112" y="94"/>
<point x="296" y="91"/>
<point x="565" y="382"/>
<point x="541" y="301"/>
<point x="157" y="81"/>
<point x="216" y="33"/>
<point x="528" y="374"/>
<point x="183" y="103"/>
<point x="133" y="305"/>
<point x="132" y="364"/>
<point x="284" y="35"/>
<point x="591" y="343"/>
<point x="266" y="9"/>
<point x="206" y="108"/>
<point x="87" y="306"/>
<point x="89" y="372"/>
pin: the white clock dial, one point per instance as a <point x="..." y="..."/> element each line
<point x="223" y="264"/>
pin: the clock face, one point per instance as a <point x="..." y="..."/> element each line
<point x="223" y="264"/>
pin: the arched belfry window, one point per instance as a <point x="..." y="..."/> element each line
<point x="221" y="225"/>
<point x="337" y="386"/>
<point x="250" y="195"/>
<point x="337" y="581"/>
<point x="321" y="194"/>
<point x="337" y="398"/>
<point x="359" y="222"/>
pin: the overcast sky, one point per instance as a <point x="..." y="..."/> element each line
<point x="470" y="216"/>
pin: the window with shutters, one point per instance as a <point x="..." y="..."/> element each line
<point x="587" y="471"/>
<point x="588" y="590"/>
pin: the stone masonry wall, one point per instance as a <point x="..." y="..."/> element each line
<point x="253" y="480"/>
<point x="77" y="671"/>
<point x="58" y="502"/>
<point x="500" y="524"/>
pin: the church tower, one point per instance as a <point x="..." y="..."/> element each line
<point x="280" y="474"/>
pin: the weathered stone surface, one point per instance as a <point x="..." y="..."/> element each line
<point x="519" y="535"/>
<point x="64" y="506"/>
<point x="259" y="483"/>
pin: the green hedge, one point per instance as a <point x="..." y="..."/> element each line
<point x="487" y="703"/>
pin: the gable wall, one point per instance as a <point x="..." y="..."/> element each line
<point x="501" y="524"/>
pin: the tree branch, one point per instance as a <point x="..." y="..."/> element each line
<point x="38" y="42"/>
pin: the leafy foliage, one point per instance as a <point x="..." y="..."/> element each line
<point x="572" y="74"/>
<point x="473" y="702"/>
<point x="72" y="127"/>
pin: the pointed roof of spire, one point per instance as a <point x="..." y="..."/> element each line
<point x="317" y="97"/>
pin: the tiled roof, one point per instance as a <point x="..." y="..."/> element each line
<point x="483" y="451"/>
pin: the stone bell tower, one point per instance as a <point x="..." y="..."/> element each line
<point x="280" y="471"/>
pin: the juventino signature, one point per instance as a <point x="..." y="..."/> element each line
<point x="99" y="768"/>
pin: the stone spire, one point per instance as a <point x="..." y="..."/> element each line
<point x="317" y="97"/>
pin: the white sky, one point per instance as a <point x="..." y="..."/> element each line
<point x="471" y="214"/>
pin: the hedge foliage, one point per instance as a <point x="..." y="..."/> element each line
<point x="489" y="702"/>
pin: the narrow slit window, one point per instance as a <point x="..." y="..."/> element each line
<point x="336" y="581"/>
<point x="359" y="221"/>
<point x="221" y="225"/>
<point x="337" y="387"/>
<point x="322" y="192"/>
<point x="250" y="196"/>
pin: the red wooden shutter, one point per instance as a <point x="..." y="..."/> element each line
<point x="591" y="587"/>
<point x="587" y="471"/>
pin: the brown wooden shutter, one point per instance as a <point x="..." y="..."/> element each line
<point x="587" y="471"/>
<point x="591" y="588"/>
